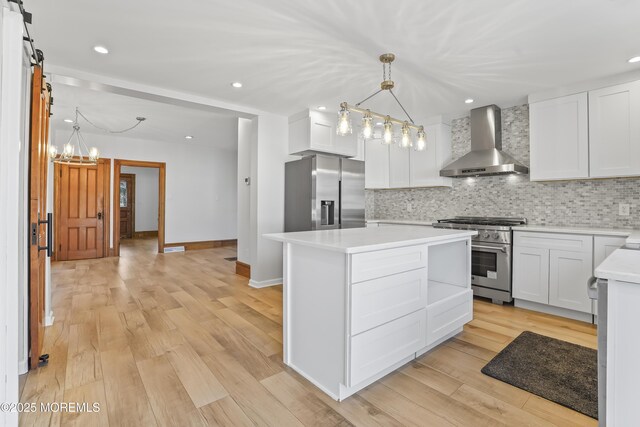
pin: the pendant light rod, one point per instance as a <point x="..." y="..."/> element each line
<point x="369" y="97"/>
<point x="401" y="106"/>
<point x="356" y="109"/>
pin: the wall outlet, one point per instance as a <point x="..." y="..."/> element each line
<point x="409" y="207"/>
<point x="624" y="209"/>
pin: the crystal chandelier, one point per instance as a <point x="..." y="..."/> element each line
<point x="75" y="151"/>
<point x="345" y="126"/>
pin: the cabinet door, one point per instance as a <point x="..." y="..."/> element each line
<point x="568" y="276"/>
<point x="376" y="170"/>
<point x="603" y="246"/>
<point x="614" y="131"/>
<point x="559" y="135"/>
<point x="323" y="133"/>
<point x="425" y="165"/>
<point x="531" y="274"/>
<point x="399" y="166"/>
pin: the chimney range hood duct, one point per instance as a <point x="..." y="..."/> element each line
<point x="486" y="156"/>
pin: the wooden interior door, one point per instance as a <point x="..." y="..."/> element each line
<point x="81" y="215"/>
<point x="127" y="205"/>
<point x="38" y="164"/>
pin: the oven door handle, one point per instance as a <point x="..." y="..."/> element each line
<point x="503" y="249"/>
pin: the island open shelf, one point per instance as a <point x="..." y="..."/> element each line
<point x="360" y="303"/>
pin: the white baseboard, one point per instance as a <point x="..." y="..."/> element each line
<point x="23" y="367"/>
<point x="265" y="283"/>
<point x="556" y="311"/>
<point x="48" y="319"/>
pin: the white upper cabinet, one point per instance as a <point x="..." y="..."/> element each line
<point x="425" y="165"/>
<point x="614" y="130"/>
<point x="593" y="134"/>
<point x="315" y="132"/>
<point x="376" y="167"/>
<point x="559" y="135"/>
<point x="395" y="167"/>
<point x="399" y="160"/>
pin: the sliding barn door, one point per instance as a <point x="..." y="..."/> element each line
<point x="81" y="213"/>
<point x="38" y="164"/>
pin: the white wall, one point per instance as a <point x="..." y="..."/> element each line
<point x="11" y="144"/>
<point x="269" y="143"/>
<point x="146" y="197"/>
<point x="200" y="181"/>
<point x="244" y="190"/>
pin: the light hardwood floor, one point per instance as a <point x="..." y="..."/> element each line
<point x="179" y="339"/>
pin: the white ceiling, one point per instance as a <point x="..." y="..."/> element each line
<point x="292" y="54"/>
<point x="165" y="122"/>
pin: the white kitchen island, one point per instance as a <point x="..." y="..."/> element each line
<point x="359" y="303"/>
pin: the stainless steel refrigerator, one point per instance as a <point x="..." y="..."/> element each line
<point x="323" y="192"/>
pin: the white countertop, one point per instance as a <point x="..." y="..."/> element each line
<point x="633" y="236"/>
<point x="354" y="240"/>
<point x="622" y="265"/>
<point x="400" y="222"/>
<point x="619" y="232"/>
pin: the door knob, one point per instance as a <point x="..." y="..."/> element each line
<point x="100" y="216"/>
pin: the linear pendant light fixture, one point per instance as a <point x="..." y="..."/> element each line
<point x="75" y="151"/>
<point x="406" y="140"/>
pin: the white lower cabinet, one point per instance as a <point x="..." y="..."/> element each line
<point x="531" y="274"/>
<point x="568" y="276"/>
<point x="553" y="269"/>
<point x="381" y="347"/>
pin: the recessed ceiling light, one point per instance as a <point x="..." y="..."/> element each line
<point x="188" y="137"/>
<point x="101" y="49"/>
<point x="321" y="107"/>
<point x="379" y="123"/>
<point x="237" y="85"/>
<point x="633" y="60"/>
<point x="68" y="121"/>
<point x="468" y="101"/>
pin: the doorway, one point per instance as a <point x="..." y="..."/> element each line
<point x="81" y="210"/>
<point x="126" y="203"/>
<point x="127" y="190"/>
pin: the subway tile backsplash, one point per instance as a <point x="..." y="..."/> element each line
<point x="567" y="203"/>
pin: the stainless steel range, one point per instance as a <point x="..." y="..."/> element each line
<point x="491" y="253"/>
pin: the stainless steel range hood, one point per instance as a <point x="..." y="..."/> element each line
<point x="486" y="156"/>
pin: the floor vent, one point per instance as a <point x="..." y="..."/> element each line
<point x="174" y="249"/>
<point x="232" y="259"/>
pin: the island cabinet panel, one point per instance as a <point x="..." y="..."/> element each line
<point x="378" y="301"/>
<point x="381" y="347"/>
<point x="371" y="265"/>
<point x="446" y="315"/>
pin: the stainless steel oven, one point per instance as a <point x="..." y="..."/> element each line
<point x="491" y="270"/>
<point x="490" y="254"/>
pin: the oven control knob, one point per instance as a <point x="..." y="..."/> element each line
<point x="485" y="235"/>
<point x="496" y="236"/>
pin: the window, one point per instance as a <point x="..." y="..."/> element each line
<point x="123" y="194"/>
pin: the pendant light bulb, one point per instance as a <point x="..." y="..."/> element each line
<point x="387" y="133"/>
<point x="94" y="154"/>
<point x="421" y="143"/>
<point x="53" y="152"/>
<point x="344" y="123"/>
<point x="67" y="151"/>
<point x="367" y="126"/>
<point x="405" y="142"/>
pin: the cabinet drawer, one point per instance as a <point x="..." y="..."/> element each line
<point x="565" y="242"/>
<point x="381" y="347"/>
<point x="378" y="301"/>
<point x="447" y="315"/>
<point x="372" y="265"/>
